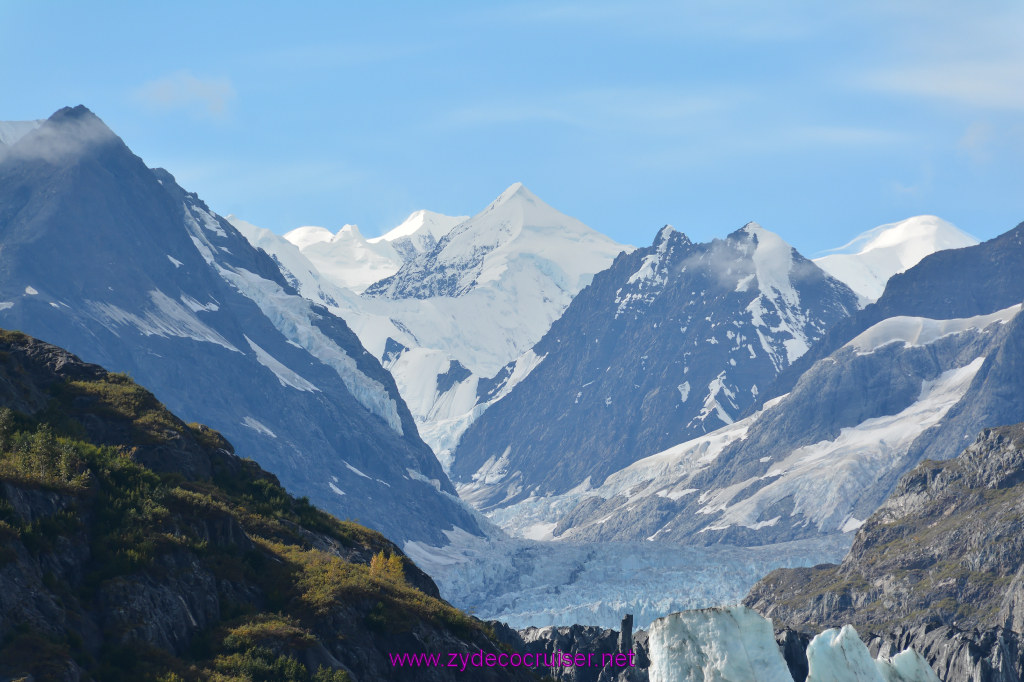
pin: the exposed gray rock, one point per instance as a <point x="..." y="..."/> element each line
<point x="937" y="568"/>
<point x="671" y="342"/>
<point x="587" y="644"/>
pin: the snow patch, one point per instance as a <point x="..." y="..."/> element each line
<point x="922" y="331"/>
<point x="258" y="427"/>
<point x="852" y="523"/>
<point x="166" y="318"/>
<point x="286" y="376"/>
<point x="684" y="391"/>
<point x="417" y="476"/>
<point x="355" y="471"/>
<point x="675" y="494"/>
<point x="195" y="306"/>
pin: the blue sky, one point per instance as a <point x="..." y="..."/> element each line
<point x="818" y="120"/>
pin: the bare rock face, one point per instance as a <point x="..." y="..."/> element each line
<point x="937" y="568"/>
<point x="586" y="643"/>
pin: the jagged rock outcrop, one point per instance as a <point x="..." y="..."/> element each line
<point x="993" y="655"/>
<point x="937" y="568"/>
<point x="593" y="644"/>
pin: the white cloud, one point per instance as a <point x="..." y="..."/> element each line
<point x="182" y="90"/>
<point x="965" y="54"/>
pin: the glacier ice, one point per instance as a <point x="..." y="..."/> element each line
<point x="736" y="644"/>
<point x="526" y="582"/>
<point x="838" y="655"/>
<point x="721" y="644"/>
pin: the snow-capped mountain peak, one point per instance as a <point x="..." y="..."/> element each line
<point x="303" y="237"/>
<point x="513" y="190"/>
<point x="867" y="262"/>
<point x="465" y="299"/>
<point x="119" y="264"/>
<point x="517" y="231"/>
<point x="773" y="263"/>
<point x="663" y="236"/>
<point x="349" y="233"/>
<point x="419" y="233"/>
<point x="420" y="224"/>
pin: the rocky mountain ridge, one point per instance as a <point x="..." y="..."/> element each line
<point x="116" y="262"/>
<point x="135" y="546"/>
<point x="672" y="342"/>
<point x="938" y="567"/>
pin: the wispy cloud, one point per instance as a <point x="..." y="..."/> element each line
<point x="63" y="137"/>
<point x="954" y="53"/>
<point x="182" y="90"/>
<point x="973" y="84"/>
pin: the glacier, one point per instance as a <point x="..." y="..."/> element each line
<point x="525" y="582"/>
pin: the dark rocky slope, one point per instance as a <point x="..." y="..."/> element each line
<point x="939" y="567"/>
<point x="134" y="546"/>
<point x="117" y="263"/>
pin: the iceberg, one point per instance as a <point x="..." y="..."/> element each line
<point x="736" y="644"/>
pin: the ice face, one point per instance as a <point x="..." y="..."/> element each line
<point x="735" y="644"/>
<point x="722" y="644"/>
